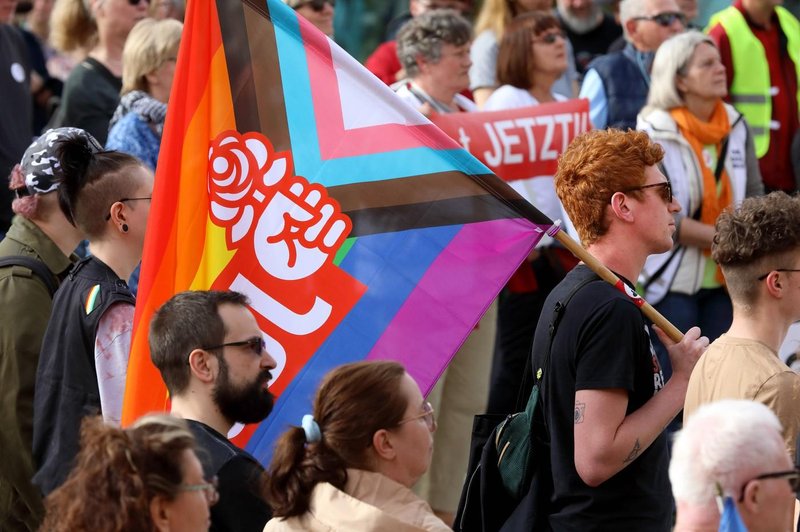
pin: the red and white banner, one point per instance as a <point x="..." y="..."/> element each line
<point x="518" y="143"/>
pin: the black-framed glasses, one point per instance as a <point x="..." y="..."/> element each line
<point x="792" y="476"/>
<point x="666" y="19"/>
<point x="209" y="489"/>
<point x="316" y="5"/>
<point x="256" y="344"/>
<point x="123" y="200"/>
<point x="427" y="415"/>
<point x="762" y="277"/>
<point x="551" y="37"/>
<point x="665" y="189"/>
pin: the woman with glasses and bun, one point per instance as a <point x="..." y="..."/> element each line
<point x="95" y="30"/>
<point x="352" y="463"/>
<point x="84" y="357"/>
<point x="710" y="160"/>
<point x="144" y="478"/>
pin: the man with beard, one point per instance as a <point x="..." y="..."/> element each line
<point x="211" y="355"/>
<point x="590" y="30"/>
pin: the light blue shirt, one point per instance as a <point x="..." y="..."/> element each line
<point x="593" y="90"/>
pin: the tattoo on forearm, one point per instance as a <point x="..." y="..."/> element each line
<point x="637" y="448"/>
<point x="580" y="408"/>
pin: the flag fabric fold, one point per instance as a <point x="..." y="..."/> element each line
<point x="357" y="228"/>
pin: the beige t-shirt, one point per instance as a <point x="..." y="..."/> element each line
<point x="737" y="368"/>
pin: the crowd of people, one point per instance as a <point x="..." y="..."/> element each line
<point x="685" y="188"/>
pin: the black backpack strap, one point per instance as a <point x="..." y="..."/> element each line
<point x="558" y="311"/>
<point x="37" y="267"/>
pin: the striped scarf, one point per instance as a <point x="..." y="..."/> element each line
<point x="150" y="110"/>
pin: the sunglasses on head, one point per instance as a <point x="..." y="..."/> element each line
<point x="316" y="5"/>
<point x="665" y="19"/>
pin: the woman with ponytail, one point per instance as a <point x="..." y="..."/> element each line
<point x="84" y="357"/>
<point x="145" y="478"/>
<point x="352" y="463"/>
<point x="37" y="255"/>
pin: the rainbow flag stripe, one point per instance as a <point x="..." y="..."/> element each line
<point x="91" y="299"/>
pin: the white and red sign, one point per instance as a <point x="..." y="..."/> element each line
<point x="518" y="143"/>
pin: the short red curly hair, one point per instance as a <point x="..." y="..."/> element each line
<point x="595" y="166"/>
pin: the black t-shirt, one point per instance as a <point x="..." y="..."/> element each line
<point x="587" y="46"/>
<point x="241" y="507"/>
<point x="91" y="95"/>
<point x="16" y="118"/>
<point x="602" y="342"/>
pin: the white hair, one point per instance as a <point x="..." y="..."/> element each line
<point x="720" y="445"/>
<point x="629" y="9"/>
<point x="672" y="60"/>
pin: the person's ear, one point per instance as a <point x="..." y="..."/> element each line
<point x="383" y="446"/>
<point x="620" y="206"/>
<point x="680" y="84"/>
<point x="630" y="26"/>
<point x="116" y="214"/>
<point x="422" y="64"/>
<point x="159" y="513"/>
<point x="203" y="365"/>
<point x="774" y="284"/>
<point x="151" y="78"/>
<point x="752" y="497"/>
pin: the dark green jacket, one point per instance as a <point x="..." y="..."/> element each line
<point x="25" y="305"/>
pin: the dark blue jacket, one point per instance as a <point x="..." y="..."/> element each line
<point x="626" y="84"/>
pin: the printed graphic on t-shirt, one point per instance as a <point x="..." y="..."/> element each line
<point x="658" y="375"/>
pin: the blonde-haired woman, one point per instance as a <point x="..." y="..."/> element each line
<point x="99" y="28"/>
<point x="710" y="160"/>
<point x="149" y="66"/>
<point x="491" y="24"/>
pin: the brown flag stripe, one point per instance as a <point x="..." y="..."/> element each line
<point x="443" y="198"/>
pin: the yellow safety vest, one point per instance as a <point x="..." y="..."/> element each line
<point x="750" y="91"/>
